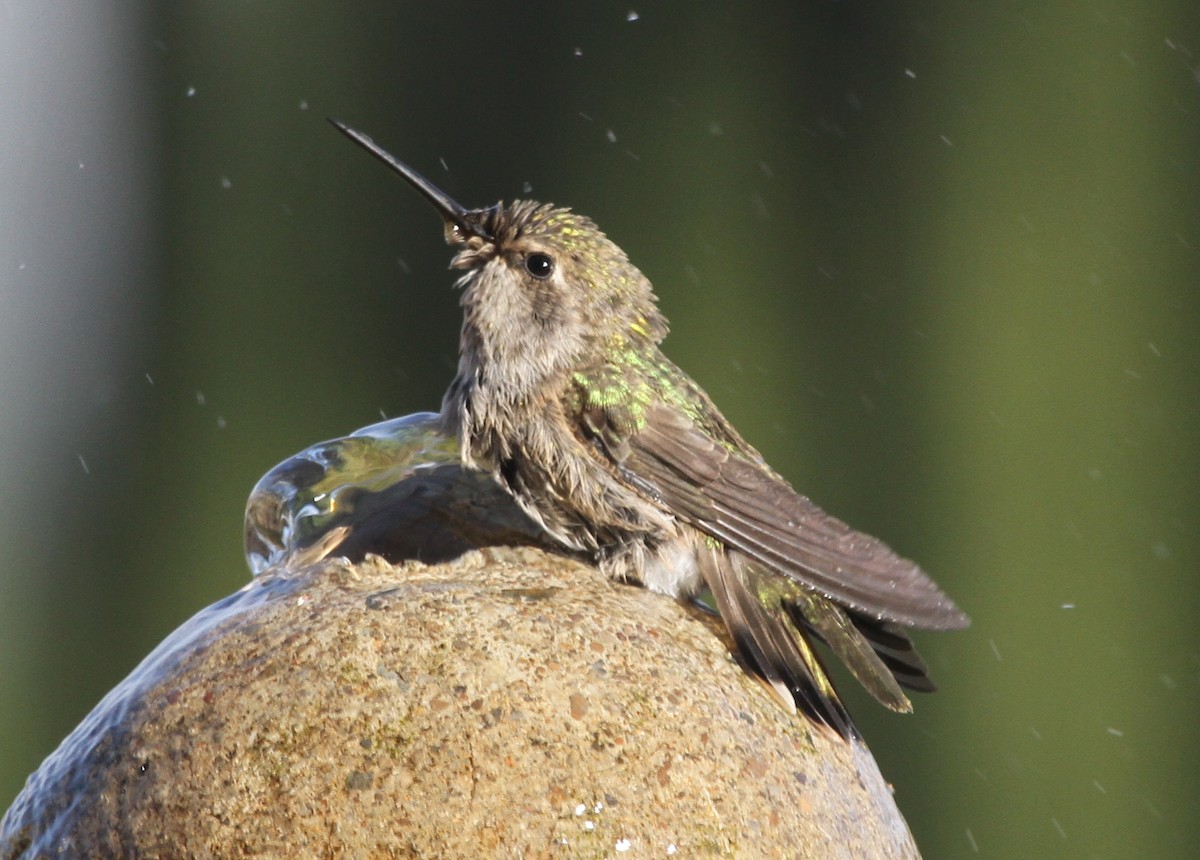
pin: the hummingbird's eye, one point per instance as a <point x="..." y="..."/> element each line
<point x="541" y="266"/>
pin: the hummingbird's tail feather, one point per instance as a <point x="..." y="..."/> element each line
<point x="766" y="639"/>
<point x="896" y="650"/>
<point x="837" y="629"/>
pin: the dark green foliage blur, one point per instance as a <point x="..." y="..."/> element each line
<point x="938" y="261"/>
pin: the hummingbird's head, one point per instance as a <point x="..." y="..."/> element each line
<point x="545" y="292"/>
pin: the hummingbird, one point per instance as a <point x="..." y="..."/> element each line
<point x="563" y="394"/>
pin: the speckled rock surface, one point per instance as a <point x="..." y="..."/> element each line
<point x="507" y="704"/>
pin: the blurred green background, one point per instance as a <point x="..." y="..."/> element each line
<point x="938" y="261"/>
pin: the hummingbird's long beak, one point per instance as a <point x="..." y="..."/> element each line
<point x="464" y="220"/>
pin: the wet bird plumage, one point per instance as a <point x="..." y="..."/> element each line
<point x="563" y="394"/>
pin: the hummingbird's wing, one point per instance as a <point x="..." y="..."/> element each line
<point x="782" y="565"/>
<point x="709" y="477"/>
